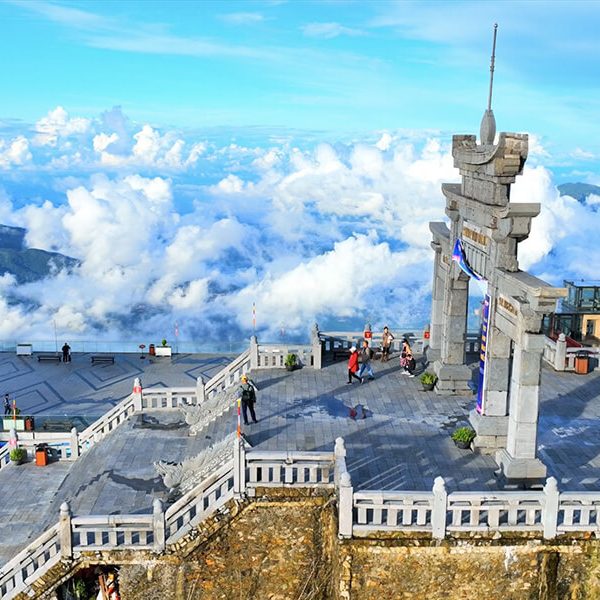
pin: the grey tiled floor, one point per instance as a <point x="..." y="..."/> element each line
<point x="403" y="443"/>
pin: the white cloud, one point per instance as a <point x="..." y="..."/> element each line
<point x="14" y="153"/>
<point x="242" y="18"/>
<point x="57" y="124"/>
<point x="330" y="30"/>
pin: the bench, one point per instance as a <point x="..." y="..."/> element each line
<point x="49" y="357"/>
<point x="103" y="358"/>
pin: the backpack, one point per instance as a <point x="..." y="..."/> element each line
<point x="248" y="394"/>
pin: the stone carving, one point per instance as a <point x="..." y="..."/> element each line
<point x="182" y="477"/>
<point x="198" y="417"/>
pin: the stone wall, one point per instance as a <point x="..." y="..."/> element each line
<point x="277" y="548"/>
<point x="508" y="570"/>
<point x="283" y="545"/>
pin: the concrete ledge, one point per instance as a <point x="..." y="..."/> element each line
<point x="526" y="470"/>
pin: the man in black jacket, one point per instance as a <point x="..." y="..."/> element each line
<point x="248" y="391"/>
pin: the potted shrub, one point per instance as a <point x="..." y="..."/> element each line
<point x="164" y="349"/>
<point x="18" y="455"/>
<point x="291" y="361"/>
<point x="428" y="381"/>
<point x="463" y="436"/>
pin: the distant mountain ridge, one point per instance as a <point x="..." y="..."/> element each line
<point x="28" y="264"/>
<point x="579" y="191"/>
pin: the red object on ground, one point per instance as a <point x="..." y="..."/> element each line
<point x="41" y="457"/>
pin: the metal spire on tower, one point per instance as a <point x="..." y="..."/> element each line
<point x="487" y="131"/>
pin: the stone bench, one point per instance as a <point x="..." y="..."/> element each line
<point x="103" y="358"/>
<point x="49" y="357"/>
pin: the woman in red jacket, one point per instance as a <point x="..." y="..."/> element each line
<point x="353" y="365"/>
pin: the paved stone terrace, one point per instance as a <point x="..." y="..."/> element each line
<point x="403" y="443"/>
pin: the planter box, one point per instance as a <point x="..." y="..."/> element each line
<point x="18" y="424"/>
<point x="24" y="349"/>
<point x="163" y="350"/>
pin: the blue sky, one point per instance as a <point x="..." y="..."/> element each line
<point x="335" y="66"/>
<point x="201" y="157"/>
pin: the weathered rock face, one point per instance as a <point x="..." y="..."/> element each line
<point x="283" y="545"/>
<point x="530" y="571"/>
<point x="271" y="550"/>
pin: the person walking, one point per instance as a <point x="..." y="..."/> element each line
<point x="7" y="407"/>
<point x="386" y="344"/>
<point x="404" y="352"/>
<point x="248" y="391"/>
<point x="411" y="364"/>
<point x="353" y="365"/>
<point x="66" y="350"/>
<point x="365" y="362"/>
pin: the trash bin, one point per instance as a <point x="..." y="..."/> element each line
<point x="582" y="363"/>
<point x="152" y="350"/>
<point x="29" y="424"/>
<point x="41" y="455"/>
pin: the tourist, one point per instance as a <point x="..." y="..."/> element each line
<point x="405" y="351"/>
<point x="365" y="362"/>
<point x="66" y="350"/>
<point x="411" y="364"/>
<point x="7" y="408"/>
<point x="248" y="391"/>
<point x="386" y="343"/>
<point x="353" y="365"/>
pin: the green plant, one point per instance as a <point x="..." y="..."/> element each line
<point x="164" y="342"/>
<point x="18" y="454"/>
<point x="428" y="378"/>
<point x="464" y="434"/>
<point x="291" y="360"/>
<point x="79" y="588"/>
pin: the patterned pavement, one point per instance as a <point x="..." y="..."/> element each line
<point x="403" y="443"/>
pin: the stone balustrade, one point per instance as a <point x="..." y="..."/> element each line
<point x="362" y="514"/>
<point x="562" y="358"/>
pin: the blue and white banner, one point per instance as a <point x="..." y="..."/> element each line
<point x="485" y="317"/>
<point x="458" y="256"/>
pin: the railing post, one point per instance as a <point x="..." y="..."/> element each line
<point x="200" y="390"/>
<point x="345" y="506"/>
<point x="137" y="395"/>
<point x="74" y="444"/>
<point x="158" y="525"/>
<point x="317" y="351"/>
<point x="64" y="531"/>
<point x="253" y="353"/>
<point x="560" y="356"/>
<point x="550" y="510"/>
<point x="239" y="468"/>
<point x="339" y="452"/>
<point x="439" y="508"/>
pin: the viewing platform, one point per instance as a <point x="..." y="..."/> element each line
<point x="403" y="443"/>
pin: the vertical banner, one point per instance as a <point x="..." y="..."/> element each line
<point x="485" y="317"/>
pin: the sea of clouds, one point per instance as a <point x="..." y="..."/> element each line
<point x="194" y="228"/>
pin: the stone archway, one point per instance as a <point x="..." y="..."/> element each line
<point x="482" y="241"/>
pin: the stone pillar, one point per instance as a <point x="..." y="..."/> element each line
<point x="158" y="525"/>
<point x="239" y="468"/>
<point x="74" y="444"/>
<point x="339" y="452"/>
<point x="453" y="375"/>
<point x="438" y="511"/>
<point x="560" y="357"/>
<point x="64" y="531"/>
<point x="317" y="352"/>
<point x="345" y="506"/>
<point x="437" y="306"/>
<point x="137" y="395"/>
<point x="253" y="353"/>
<point x="518" y="460"/>
<point x="492" y="424"/>
<point x="551" y="504"/>
<point x="200" y="390"/>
